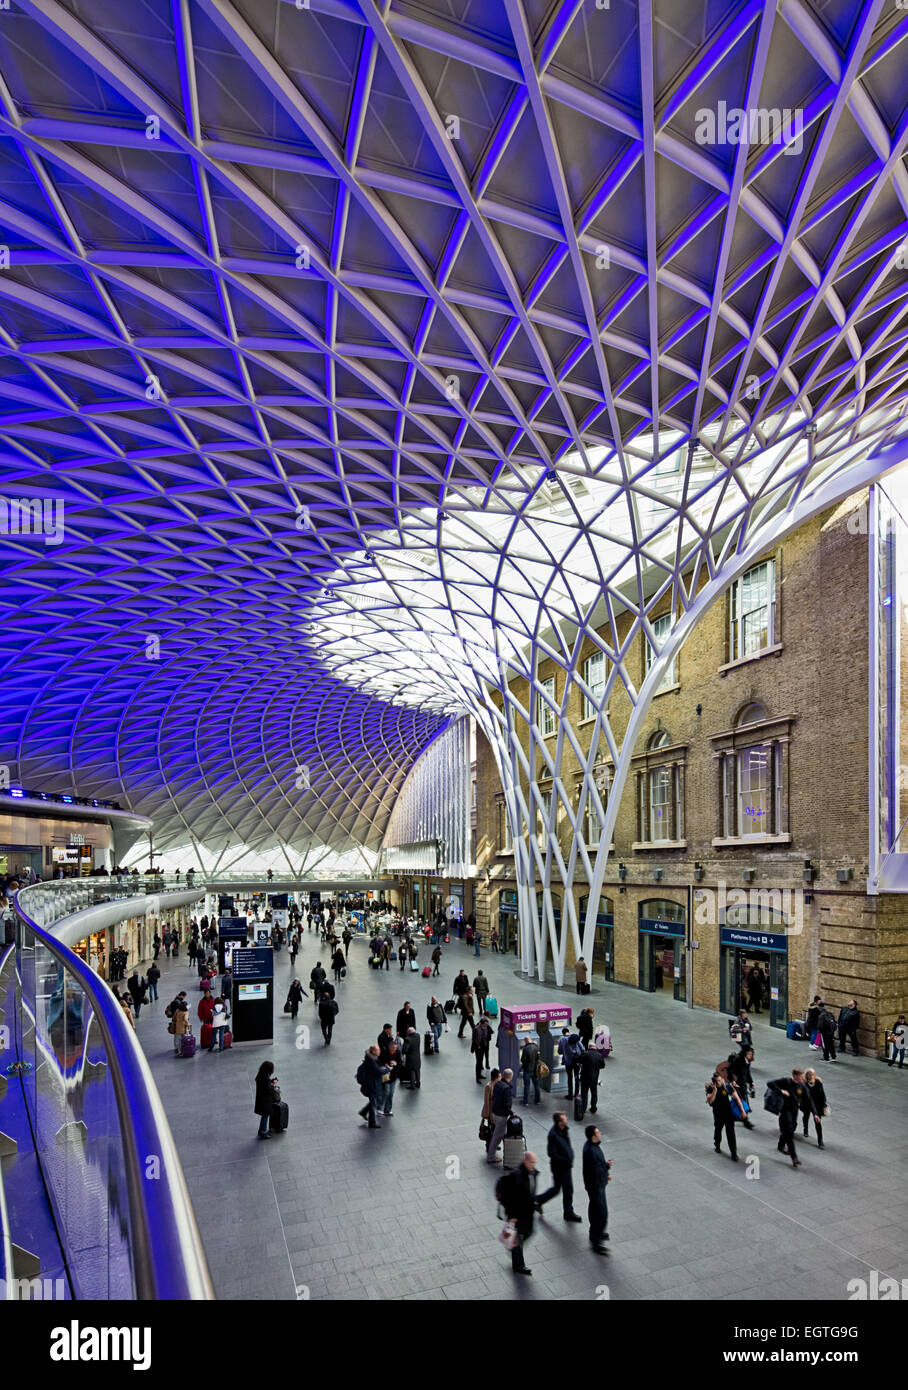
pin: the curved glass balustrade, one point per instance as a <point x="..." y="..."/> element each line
<point x="100" y="1134"/>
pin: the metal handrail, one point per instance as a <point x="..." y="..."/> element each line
<point x="167" y="1255"/>
<point x="6" y="1245"/>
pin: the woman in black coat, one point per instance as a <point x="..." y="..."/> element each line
<point x="294" y="995"/>
<point x="264" y="1093"/>
<point x="819" y="1104"/>
<point x="338" y="963"/>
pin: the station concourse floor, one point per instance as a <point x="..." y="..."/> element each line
<point x="333" y="1210"/>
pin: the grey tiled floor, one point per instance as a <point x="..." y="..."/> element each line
<point x="341" y="1212"/>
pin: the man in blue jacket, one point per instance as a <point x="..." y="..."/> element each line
<point x="561" y="1157"/>
<point x="595" y="1176"/>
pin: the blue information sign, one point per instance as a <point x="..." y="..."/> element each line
<point x="742" y="936"/>
<point x="254" y="963"/>
<point x="657" y="927"/>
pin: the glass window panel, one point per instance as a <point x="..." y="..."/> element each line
<point x="753" y="792"/>
<point x="660" y="804"/>
<point x="594" y="678"/>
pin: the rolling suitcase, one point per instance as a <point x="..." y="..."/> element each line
<point x="280" y="1115"/>
<point x="187" y="1045"/>
<point x="515" y="1127"/>
<point x="795" y="1030"/>
<point x="414" y="965"/>
<point x="514" y="1150"/>
<point x="428" y="1042"/>
<point x="579" y="1108"/>
<point x="427" y="971"/>
<point x="206" y="1035"/>
<point x="491" y="1006"/>
<point x="228" y="1038"/>
<point x="450" y="1006"/>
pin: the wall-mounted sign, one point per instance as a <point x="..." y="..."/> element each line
<point x="76" y="839"/>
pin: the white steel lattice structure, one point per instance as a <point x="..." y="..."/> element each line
<point x="378" y="353"/>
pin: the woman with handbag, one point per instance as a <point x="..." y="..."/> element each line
<point x="218" y="1025"/>
<point x="819" y="1104"/>
<point x="294" y="995"/>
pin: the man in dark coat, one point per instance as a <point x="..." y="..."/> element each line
<point x="590" y="1067"/>
<point x="849" y="1022"/>
<point x="460" y="986"/>
<point x="561" y="1157"/>
<point x="516" y="1192"/>
<point x="584" y="1025"/>
<point x="370" y="1075"/>
<point x="328" y="1010"/>
<point x="413" y="1057"/>
<point x="384" y="1040"/>
<point x="827" y="1035"/>
<point x="595" y="1176"/>
<point x="482" y="1036"/>
<point x="795" y="1097"/>
<point x="137" y="986"/>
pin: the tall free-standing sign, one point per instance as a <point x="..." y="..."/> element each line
<point x="253" y="994"/>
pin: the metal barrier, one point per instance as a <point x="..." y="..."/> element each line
<point x="101" y="1136"/>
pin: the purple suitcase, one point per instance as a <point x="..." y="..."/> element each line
<point x="187" y="1045"/>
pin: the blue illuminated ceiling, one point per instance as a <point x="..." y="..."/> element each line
<point x="281" y="279"/>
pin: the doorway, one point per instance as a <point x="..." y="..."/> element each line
<point x="604" y="940"/>
<point x="754" y="955"/>
<point x="662" y="949"/>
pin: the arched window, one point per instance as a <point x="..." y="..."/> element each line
<point x="750" y="714"/>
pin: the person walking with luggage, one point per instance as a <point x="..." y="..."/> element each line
<point x="897" y="1037"/>
<point x="412" y="1058"/>
<point x="529" y="1067"/>
<point x="500" y="1109"/>
<point x="795" y="1097"/>
<point x="718" y="1098"/>
<point x="152" y="977"/>
<point x="328" y="1010"/>
<point x="218" y="1025"/>
<point x="516" y="1191"/>
<point x="295" y="996"/>
<point x="406" y="1019"/>
<point x="485" y="1116"/>
<point x="371" y="1074"/>
<point x="338" y="964"/>
<point x="591" y="1064"/>
<point x="264" y="1097"/>
<point x="479" y="1046"/>
<point x="402" y="952"/>
<point x="849" y="1022"/>
<point x="738" y="1073"/>
<point x="179" y="1024"/>
<point x="481" y="991"/>
<point x="819" y="1105"/>
<point x="561" y="1157"/>
<point x="596" y="1177"/>
<point x="580" y="975"/>
<point x="460" y="986"/>
<point x="826" y="1025"/>
<point x="467" y="1011"/>
<point x="435" y="1017"/>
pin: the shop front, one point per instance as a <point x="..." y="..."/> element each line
<point x="753" y="965"/>
<point x="662" y="948"/>
<point x="604" y="940"/>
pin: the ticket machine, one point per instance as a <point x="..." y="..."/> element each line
<point x="542" y="1023"/>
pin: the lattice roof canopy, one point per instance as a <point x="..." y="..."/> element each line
<point x="286" y="292"/>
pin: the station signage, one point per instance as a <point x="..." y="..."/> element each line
<point x="535" y="1013"/>
<point x="741" y="937"/>
<point x="253" y="963"/>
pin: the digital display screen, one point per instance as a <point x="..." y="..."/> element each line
<point x="252" y="992"/>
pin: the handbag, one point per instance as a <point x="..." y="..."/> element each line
<point x="485" y="1131"/>
<point x="542" y="1070"/>
<point x="171" y="1027"/>
<point x="827" y="1110"/>
<point x="287" y="1007"/>
<point x="508" y="1235"/>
